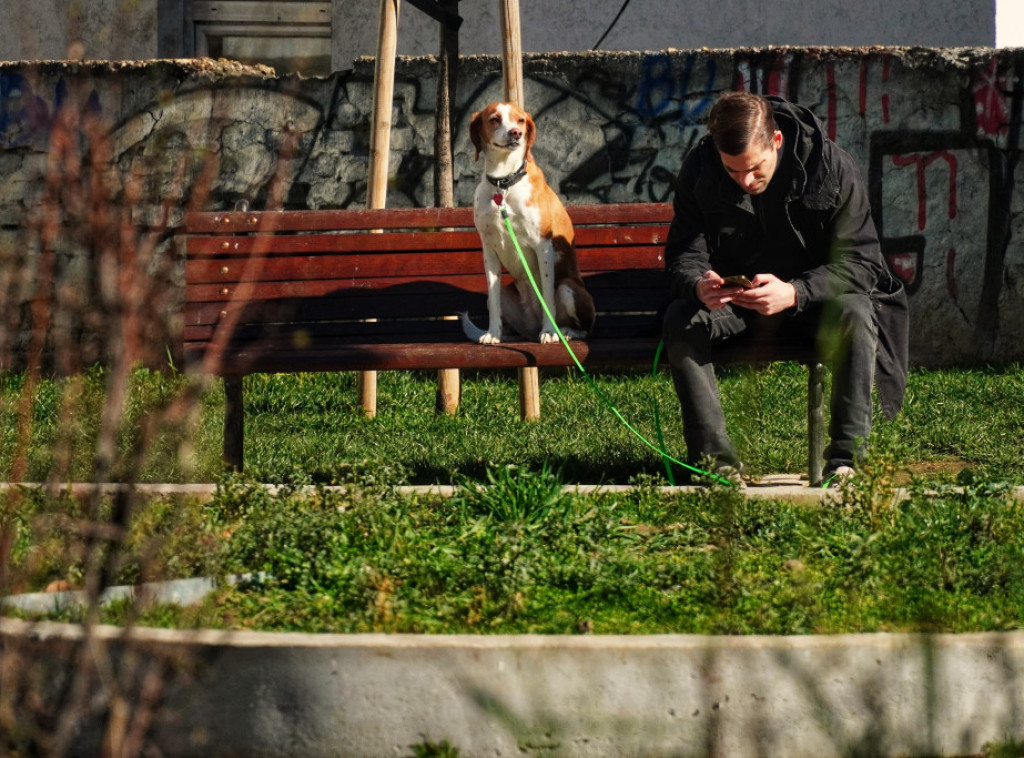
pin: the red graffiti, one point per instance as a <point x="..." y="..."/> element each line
<point x="773" y="80"/>
<point x="863" y="100"/>
<point x="921" y="162"/>
<point x="989" y="100"/>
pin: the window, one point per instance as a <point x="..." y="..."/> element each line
<point x="293" y="36"/>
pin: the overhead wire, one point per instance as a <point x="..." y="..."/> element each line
<point x="612" y="25"/>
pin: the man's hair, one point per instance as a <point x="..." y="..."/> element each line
<point x="739" y="120"/>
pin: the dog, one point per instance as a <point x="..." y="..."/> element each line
<point x="504" y="134"/>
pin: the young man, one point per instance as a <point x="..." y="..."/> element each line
<point x="768" y="196"/>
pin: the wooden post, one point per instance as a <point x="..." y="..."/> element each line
<point x="448" y="381"/>
<point x="512" y="52"/>
<point x="512" y="79"/>
<point x="380" y="148"/>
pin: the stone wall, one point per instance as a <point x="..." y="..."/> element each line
<point x="936" y="131"/>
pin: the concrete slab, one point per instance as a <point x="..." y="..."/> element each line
<point x="264" y="694"/>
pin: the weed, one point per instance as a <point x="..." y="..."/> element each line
<point x="515" y="495"/>
<point x="428" y="749"/>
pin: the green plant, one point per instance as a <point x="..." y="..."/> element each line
<point x="515" y="495"/>
<point x="428" y="749"/>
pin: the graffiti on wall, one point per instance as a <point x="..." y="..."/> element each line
<point x="27" y="115"/>
<point x="940" y="160"/>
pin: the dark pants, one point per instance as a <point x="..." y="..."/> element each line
<point x="845" y="333"/>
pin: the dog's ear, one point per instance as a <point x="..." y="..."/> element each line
<point x="476" y="133"/>
<point x="531" y="134"/>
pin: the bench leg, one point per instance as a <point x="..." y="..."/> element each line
<point x="366" y="386"/>
<point x="529" y="393"/>
<point x="815" y="422"/>
<point x="448" y="390"/>
<point x="234" y="422"/>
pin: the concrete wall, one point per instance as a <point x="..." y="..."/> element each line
<point x="936" y="132"/>
<point x="146" y="29"/>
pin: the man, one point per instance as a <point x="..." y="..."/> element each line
<point x="768" y="196"/>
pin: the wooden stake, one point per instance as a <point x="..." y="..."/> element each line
<point x="512" y="52"/>
<point x="512" y="78"/>
<point x="383" y="95"/>
<point x="448" y="381"/>
<point x="380" y="148"/>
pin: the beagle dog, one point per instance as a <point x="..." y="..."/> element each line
<point x="512" y="183"/>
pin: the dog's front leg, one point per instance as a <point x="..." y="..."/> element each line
<point x="546" y="258"/>
<point x="492" y="268"/>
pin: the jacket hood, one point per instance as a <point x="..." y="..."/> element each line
<point x="804" y="139"/>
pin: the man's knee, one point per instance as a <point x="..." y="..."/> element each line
<point x="856" y="314"/>
<point x="680" y="326"/>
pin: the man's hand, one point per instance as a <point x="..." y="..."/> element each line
<point x="768" y="296"/>
<point x="711" y="291"/>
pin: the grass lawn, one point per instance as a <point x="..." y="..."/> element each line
<point x="521" y="554"/>
<point x="306" y="426"/>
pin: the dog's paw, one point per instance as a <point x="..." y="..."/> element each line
<point x="490" y="339"/>
<point x="548" y="338"/>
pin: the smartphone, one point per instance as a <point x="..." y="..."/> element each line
<point x="736" y="281"/>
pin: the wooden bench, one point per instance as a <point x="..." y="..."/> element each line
<point x="369" y="290"/>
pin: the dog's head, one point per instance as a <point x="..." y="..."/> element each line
<point x="502" y="126"/>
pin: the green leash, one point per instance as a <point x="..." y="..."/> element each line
<point x="660" y="449"/>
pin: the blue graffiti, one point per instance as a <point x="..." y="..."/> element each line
<point x="25" y="116"/>
<point x="22" y="112"/>
<point x="662" y="86"/>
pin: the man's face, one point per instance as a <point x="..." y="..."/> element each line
<point x="754" y="167"/>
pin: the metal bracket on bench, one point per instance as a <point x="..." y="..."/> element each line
<point x="234" y="422"/>
<point x="815" y="422"/>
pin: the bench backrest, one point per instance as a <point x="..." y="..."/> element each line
<point x="394" y="275"/>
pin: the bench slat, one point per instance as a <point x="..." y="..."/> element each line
<point x="408" y="302"/>
<point x="623" y="326"/>
<point x="275" y="245"/>
<point x="611" y="289"/>
<point x="376" y="271"/>
<point x="462" y="355"/>
<point x="200" y="222"/>
<point x="281" y="245"/>
<point x="426" y="356"/>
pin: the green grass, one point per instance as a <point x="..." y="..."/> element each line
<point x="512" y="551"/>
<point x="524" y="556"/>
<point x="307" y="425"/>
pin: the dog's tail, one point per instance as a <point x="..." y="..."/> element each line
<point x="470" y="329"/>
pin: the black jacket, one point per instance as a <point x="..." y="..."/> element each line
<point x="826" y="245"/>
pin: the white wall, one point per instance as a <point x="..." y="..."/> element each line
<point x="570" y="25"/>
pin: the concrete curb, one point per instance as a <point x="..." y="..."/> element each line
<point x="774" y="487"/>
<point x="275" y="694"/>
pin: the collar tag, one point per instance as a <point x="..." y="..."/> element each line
<point x="498" y="198"/>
